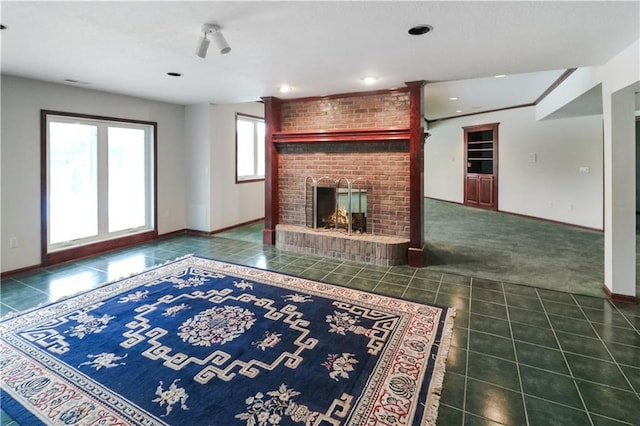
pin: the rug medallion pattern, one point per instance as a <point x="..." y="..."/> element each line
<point x="202" y="342"/>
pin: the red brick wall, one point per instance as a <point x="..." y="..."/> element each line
<point x="353" y="112"/>
<point x="384" y="167"/>
<point x="386" y="177"/>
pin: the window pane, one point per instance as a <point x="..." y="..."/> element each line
<point x="245" y="157"/>
<point x="260" y="148"/>
<point x="73" y="177"/>
<point x="127" y="178"/>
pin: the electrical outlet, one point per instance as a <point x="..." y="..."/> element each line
<point x="13" y="242"/>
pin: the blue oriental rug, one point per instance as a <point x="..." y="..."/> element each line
<point x="201" y="342"/>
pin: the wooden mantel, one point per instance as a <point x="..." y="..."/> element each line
<point x="414" y="134"/>
<point x="343" y="135"/>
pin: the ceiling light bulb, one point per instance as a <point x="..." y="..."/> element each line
<point x="370" y="79"/>
<point x="453" y="98"/>
<point x="286" y="89"/>
<point x="500" y="75"/>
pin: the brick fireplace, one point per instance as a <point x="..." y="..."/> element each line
<point x="375" y="138"/>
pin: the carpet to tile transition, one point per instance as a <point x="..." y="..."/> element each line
<point x="201" y="342"/>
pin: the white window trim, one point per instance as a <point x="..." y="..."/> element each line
<point x="103" y="123"/>
<point x="253" y="119"/>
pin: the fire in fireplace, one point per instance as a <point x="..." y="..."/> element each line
<point x="334" y="206"/>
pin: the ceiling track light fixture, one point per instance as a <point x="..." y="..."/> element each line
<point x="217" y="37"/>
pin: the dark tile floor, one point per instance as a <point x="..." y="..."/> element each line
<point x="520" y="355"/>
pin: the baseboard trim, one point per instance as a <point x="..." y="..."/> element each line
<point x="18" y="271"/>
<point x="559" y="222"/>
<point x="620" y="298"/>
<point x="57" y="261"/>
<point x="228" y="228"/>
<point x="573" y="225"/>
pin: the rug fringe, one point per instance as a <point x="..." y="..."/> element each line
<point x="435" y="388"/>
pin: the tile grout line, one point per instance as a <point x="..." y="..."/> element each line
<point x="515" y="354"/>
<point x="575" y="383"/>
<point x="466" y="364"/>
<point x="380" y="280"/>
<point x="625" y="317"/>
<point x="569" y="376"/>
<point x="615" y="361"/>
<point x="532" y="395"/>
<point x="327" y="274"/>
<point x="354" y="275"/>
<point x="438" y="292"/>
<point x="409" y="283"/>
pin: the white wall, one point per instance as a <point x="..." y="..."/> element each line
<point x="214" y="199"/>
<point x="620" y="80"/>
<point x="231" y="203"/>
<point x="197" y="154"/>
<point x="22" y="100"/>
<point x="551" y="188"/>
<point x="577" y="84"/>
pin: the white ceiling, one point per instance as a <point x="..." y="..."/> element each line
<point x="319" y="48"/>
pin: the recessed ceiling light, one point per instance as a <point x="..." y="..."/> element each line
<point x="174" y="74"/>
<point x="286" y="89"/>
<point x="500" y="75"/>
<point x="420" y="29"/>
<point x="369" y="79"/>
<point x="458" y="110"/>
<point x="453" y="98"/>
<point x="71" y="80"/>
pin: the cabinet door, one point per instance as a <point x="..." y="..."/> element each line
<point x="485" y="190"/>
<point x="471" y="190"/>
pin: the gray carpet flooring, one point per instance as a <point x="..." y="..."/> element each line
<point x="514" y="249"/>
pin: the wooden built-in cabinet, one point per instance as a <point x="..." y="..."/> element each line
<point x="481" y="161"/>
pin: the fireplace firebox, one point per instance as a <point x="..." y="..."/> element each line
<point x="336" y="204"/>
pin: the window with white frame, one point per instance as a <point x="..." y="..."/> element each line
<point x="99" y="179"/>
<point x="250" y="132"/>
